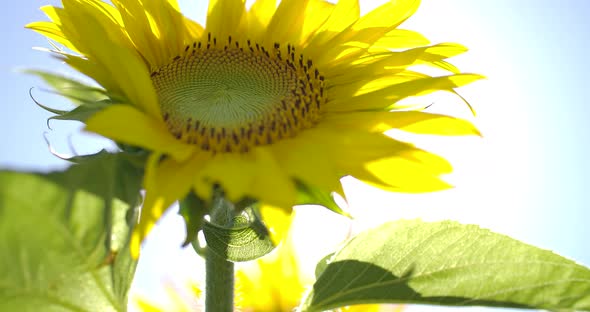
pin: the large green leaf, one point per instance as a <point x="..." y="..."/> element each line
<point x="446" y="263"/>
<point x="65" y="235"/>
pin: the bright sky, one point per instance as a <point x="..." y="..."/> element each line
<point x="528" y="176"/>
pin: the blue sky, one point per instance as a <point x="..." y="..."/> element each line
<point x="528" y="177"/>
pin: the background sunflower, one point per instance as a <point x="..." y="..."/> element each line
<point x="527" y="177"/>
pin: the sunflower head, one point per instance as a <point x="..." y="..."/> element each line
<point x="271" y="102"/>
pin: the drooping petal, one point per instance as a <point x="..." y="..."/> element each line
<point x="272" y="183"/>
<point x="382" y="161"/>
<point x="165" y="182"/>
<point x="307" y="159"/>
<point x="256" y="174"/>
<point x="414" y="171"/>
<point x="277" y="221"/>
<point x="126" y="124"/>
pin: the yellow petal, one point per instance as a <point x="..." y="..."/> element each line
<point x="368" y="29"/>
<point x="382" y="161"/>
<point x="255" y="174"/>
<point x="126" y="124"/>
<point x="413" y="171"/>
<point x="112" y="50"/>
<point x="158" y="29"/>
<point x="101" y="18"/>
<point x="272" y="182"/>
<point x="259" y="16"/>
<point x="226" y="18"/>
<point x="287" y="22"/>
<point x="234" y="172"/>
<point x="388" y="15"/>
<point x="96" y="71"/>
<point x="390" y="62"/>
<point x="410" y="121"/>
<point x="366" y="308"/>
<point x="347" y="91"/>
<point x="359" y="147"/>
<point x="318" y="171"/>
<point x="194" y="29"/>
<point x="317" y="13"/>
<point x="277" y="220"/>
<point x="143" y="33"/>
<point x="172" y="26"/>
<point x="145" y="305"/>
<point x="53" y="29"/>
<point x="165" y="182"/>
<point x="385" y="98"/>
<point x="52" y="13"/>
<point x="345" y="13"/>
<point x="400" y="39"/>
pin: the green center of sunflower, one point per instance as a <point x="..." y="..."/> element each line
<point x="231" y="97"/>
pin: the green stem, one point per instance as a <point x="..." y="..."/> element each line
<point x="219" y="289"/>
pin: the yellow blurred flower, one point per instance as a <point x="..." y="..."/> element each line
<point x="272" y="283"/>
<point x="260" y="100"/>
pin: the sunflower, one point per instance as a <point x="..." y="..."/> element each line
<point x="263" y="100"/>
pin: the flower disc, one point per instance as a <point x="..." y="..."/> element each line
<point x="228" y="99"/>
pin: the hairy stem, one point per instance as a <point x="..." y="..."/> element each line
<point x="219" y="289"/>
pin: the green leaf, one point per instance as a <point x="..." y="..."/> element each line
<point x="193" y="210"/>
<point x="246" y="240"/>
<point x="308" y="195"/>
<point x="78" y="92"/>
<point x="323" y="264"/>
<point x="446" y="263"/>
<point x="65" y="236"/>
<point x="83" y="112"/>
